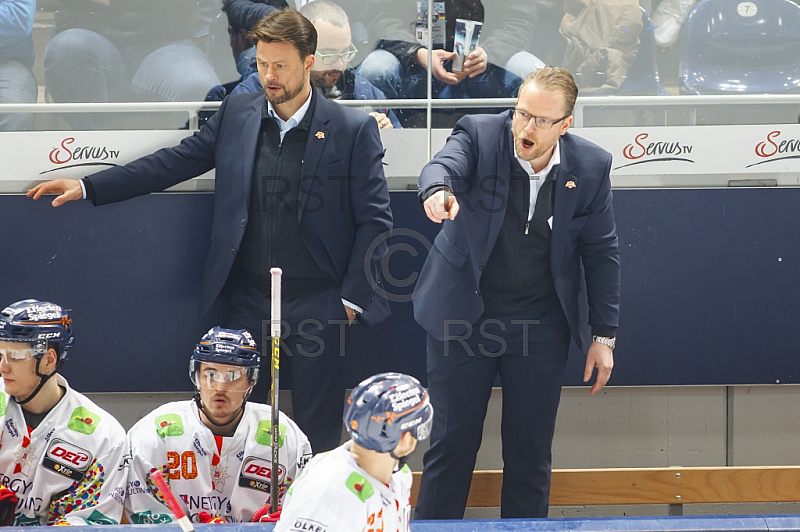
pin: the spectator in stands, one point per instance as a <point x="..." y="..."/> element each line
<point x="17" y="84"/>
<point x="494" y="69"/>
<point x="63" y="457"/>
<point x="215" y="448"/>
<point x="242" y="16"/>
<point x="148" y="50"/>
<point x="668" y="18"/>
<point x="598" y="42"/>
<point x="332" y="74"/>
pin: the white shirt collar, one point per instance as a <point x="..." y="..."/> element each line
<point x="295" y="119"/>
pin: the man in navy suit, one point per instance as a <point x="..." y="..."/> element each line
<point x="527" y="261"/>
<point x="299" y="185"/>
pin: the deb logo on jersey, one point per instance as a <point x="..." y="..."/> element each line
<point x="257" y="474"/>
<point x="67" y="459"/>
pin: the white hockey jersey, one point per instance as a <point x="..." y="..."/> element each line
<point x="228" y="477"/>
<point x="333" y="494"/>
<point x="70" y="469"/>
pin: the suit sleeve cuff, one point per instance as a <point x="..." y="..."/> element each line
<point x="353" y="306"/>
<point x="88" y="189"/>
<point x="431" y="191"/>
<point x="608" y="332"/>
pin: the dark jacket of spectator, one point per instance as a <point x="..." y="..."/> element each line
<point x="141" y="26"/>
<point x="243" y="14"/>
<point x="507" y="29"/>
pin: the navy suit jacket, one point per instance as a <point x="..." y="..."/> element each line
<point x="343" y="198"/>
<point x="584" y="252"/>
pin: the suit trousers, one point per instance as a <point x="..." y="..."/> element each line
<point x="529" y="352"/>
<point x="313" y="337"/>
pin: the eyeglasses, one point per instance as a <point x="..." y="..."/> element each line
<point x="541" y="123"/>
<point x="332" y="59"/>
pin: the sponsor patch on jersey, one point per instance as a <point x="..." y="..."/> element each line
<point x="11" y="428"/>
<point x="169" y="425"/>
<point x="135" y="487"/>
<point x="264" y="433"/>
<point x="149" y="518"/>
<point x="96" y="518"/>
<point x="308" y="525"/>
<point x="199" y="447"/>
<point x="67" y="459"/>
<point x="126" y="461"/>
<point x="304" y="460"/>
<point x="2" y="404"/>
<point x="24" y="520"/>
<point x="83" y="421"/>
<point x="256" y="474"/>
<point x="359" y="486"/>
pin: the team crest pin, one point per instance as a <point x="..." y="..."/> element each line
<point x="320" y="135"/>
<point x="570" y="184"/>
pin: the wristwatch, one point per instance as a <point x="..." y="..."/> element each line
<point x="610" y="342"/>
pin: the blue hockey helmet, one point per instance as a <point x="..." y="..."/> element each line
<point x="383" y="407"/>
<point x="41" y="324"/>
<point x="226" y="346"/>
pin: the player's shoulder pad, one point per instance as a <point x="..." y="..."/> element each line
<point x="359" y="486"/>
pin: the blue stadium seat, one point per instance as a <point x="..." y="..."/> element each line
<point x="732" y="47"/>
<point x="643" y="79"/>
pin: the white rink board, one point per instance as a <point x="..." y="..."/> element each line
<point x="642" y="156"/>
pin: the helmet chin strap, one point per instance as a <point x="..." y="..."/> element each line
<point x="401" y="461"/>
<point x="199" y="402"/>
<point x="42" y="380"/>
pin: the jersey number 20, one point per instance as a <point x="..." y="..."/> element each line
<point x="182" y="465"/>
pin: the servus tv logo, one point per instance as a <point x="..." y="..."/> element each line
<point x="641" y="152"/>
<point x="68" y="155"/>
<point x="774" y="149"/>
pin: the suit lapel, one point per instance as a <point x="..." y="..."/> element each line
<point x="502" y="183"/>
<point x="318" y="135"/>
<point x="565" y="198"/>
<point x="250" y="131"/>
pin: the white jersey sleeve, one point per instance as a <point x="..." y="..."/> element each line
<point x="334" y="494"/>
<point x="315" y="503"/>
<point x="70" y="469"/>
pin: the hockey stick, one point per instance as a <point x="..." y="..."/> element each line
<point x="172" y="502"/>
<point x="275" y="332"/>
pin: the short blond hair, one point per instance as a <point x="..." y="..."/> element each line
<point x="554" y="79"/>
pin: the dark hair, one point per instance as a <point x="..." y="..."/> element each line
<point x="555" y="79"/>
<point x="289" y="26"/>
